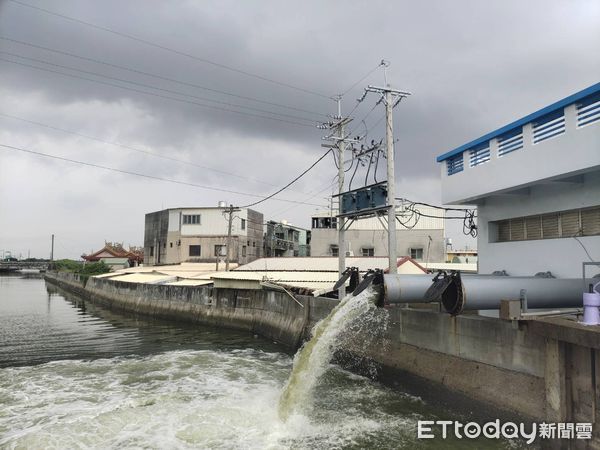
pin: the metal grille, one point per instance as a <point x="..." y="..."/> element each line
<point x="533" y="227"/>
<point x="503" y="231"/>
<point x="569" y="223"/>
<point x="517" y="229"/>
<point x="549" y="126"/>
<point x="588" y="111"/>
<point x="479" y="155"/>
<point x="455" y="164"/>
<point x="566" y="224"/>
<point x="590" y="221"/>
<point x="511" y="141"/>
<point x="550" y="226"/>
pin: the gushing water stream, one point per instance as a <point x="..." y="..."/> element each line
<point x="313" y="359"/>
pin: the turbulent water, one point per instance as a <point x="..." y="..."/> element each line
<point x="312" y="360"/>
<point x="77" y="376"/>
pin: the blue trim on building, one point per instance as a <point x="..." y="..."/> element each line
<point x="595" y="89"/>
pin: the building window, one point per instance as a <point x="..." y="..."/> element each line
<point x="368" y="251"/>
<point x="324" y="222"/>
<point x="152" y="251"/>
<point x="191" y="219"/>
<point x="253" y="243"/>
<point x="220" y="250"/>
<point x="334" y="250"/>
<point x="243" y="224"/>
<point x="564" y="224"/>
<point x="416" y="253"/>
<point x="243" y="250"/>
<point x="171" y="244"/>
<point x="195" y="250"/>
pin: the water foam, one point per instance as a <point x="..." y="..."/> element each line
<point x="179" y="399"/>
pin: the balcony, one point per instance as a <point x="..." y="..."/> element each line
<point x="559" y="142"/>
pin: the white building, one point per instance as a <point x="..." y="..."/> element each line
<point x="536" y="184"/>
<point x="177" y="235"/>
<point x="422" y="240"/>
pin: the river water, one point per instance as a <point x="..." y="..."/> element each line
<point x="74" y="375"/>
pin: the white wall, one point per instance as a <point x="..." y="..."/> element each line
<point x="563" y="256"/>
<point x="578" y="150"/>
<point x="212" y="222"/>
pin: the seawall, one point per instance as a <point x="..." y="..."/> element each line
<point x="542" y="370"/>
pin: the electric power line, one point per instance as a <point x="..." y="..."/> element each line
<point x="159" y="95"/>
<point x="118" y="144"/>
<point x="160" y="77"/>
<point x="148" y="86"/>
<point x="152" y="177"/>
<point x="291" y="182"/>
<point x="354" y="85"/>
<point x="171" y="50"/>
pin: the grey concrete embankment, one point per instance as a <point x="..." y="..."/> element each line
<point x="272" y="314"/>
<point x="543" y="370"/>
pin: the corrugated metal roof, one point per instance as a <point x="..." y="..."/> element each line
<point x="188" y="282"/>
<point x="321" y="264"/>
<point x="284" y="277"/>
<point x="151" y="278"/>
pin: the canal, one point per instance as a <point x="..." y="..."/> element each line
<point x="75" y="375"/>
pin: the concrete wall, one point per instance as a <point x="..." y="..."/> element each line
<point x="155" y="237"/>
<point x="562" y="256"/>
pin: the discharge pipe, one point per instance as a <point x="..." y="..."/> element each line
<point x="471" y="293"/>
<point x="459" y="293"/>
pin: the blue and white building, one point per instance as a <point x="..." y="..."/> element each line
<point x="536" y="185"/>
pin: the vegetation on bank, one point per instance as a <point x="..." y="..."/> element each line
<point x="83" y="269"/>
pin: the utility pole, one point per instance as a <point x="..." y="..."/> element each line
<point x="341" y="221"/>
<point x="391" y="97"/>
<point x="52" y="250"/>
<point x="340" y="141"/>
<point x="230" y="211"/>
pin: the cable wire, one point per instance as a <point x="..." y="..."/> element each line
<point x="128" y="147"/>
<point x="137" y="174"/>
<point x="154" y="94"/>
<point x="171" y="50"/>
<point x="354" y="85"/>
<point x="291" y="182"/>
<point x="149" y="86"/>
<point x="159" y="77"/>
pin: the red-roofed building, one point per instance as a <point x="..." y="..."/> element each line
<point x="115" y="251"/>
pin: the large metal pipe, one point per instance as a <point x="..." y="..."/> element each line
<point x="486" y="292"/>
<point x="406" y="288"/>
<point x="473" y="292"/>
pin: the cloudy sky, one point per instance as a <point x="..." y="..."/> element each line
<point x="226" y="94"/>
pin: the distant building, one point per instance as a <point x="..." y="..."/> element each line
<point x="536" y="184"/>
<point x="114" y="255"/>
<point x="177" y="235"/>
<point x="283" y="239"/>
<point x="422" y="240"/>
<point x="464" y="256"/>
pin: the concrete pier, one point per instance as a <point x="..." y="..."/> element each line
<point x="543" y="370"/>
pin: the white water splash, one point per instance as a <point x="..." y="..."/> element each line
<point x="313" y="359"/>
